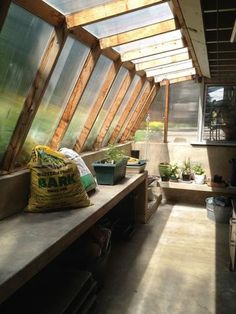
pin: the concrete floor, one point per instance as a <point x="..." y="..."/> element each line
<point x="178" y="263"/>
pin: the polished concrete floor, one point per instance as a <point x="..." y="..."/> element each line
<point x="177" y="263"/>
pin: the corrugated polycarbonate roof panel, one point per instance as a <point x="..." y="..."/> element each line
<point x="130" y="21"/>
<point x="71" y="6"/>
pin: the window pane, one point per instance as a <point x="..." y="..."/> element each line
<point x="158" y="39"/>
<point x="132" y="110"/>
<point x="151" y="129"/>
<point x="22" y="42"/>
<point x="59" y="89"/>
<point x="103" y="113"/>
<point x="87" y="101"/>
<point x="129" y="21"/>
<point x="220" y="113"/>
<point x="183" y="115"/>
<point x="121" y="109"/>
<point x="70" y="6"/>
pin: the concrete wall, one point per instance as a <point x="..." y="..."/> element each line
<point x="215" y="159"/>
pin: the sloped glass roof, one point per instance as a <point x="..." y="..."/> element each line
<point x="129" y="21"/>
<point x="158" y="39"/>
<point x="71" y="6"/>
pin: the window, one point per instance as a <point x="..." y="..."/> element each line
<point x="22" y="42"/>
<point x="219" y="123"/>
<point x="57" y="94"/>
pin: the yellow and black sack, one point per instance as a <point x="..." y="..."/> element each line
<point x="55" y="182"/>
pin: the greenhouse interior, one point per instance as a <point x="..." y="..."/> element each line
<point x="118" y="156"/>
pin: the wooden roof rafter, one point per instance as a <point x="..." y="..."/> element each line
<point x="114" y="108"/>
<point x="107" y="10"/>
<point x="76" y="95"/>
<point x="138" y="33"/>
<point x="144" y="111"/>
<point x="42" y="10"/>
<point x="110" y="77"/>
<point x="145" y="92"/>
<point x="173" y="67"/>
<point x="34" y="97"/>
<point x="127" y="110"/>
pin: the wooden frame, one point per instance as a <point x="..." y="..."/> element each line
<point x="166" y="114"/>
<point x="139" y="33"/>
<point x="34" y="97"/>
<point x="4" y="7"/>
<point x="107" y="10"/>
<point x="75" y="97"/>
<point x="42" y="10"/>
<point x="145" y="109"/>
<point x="110" y="77"/>
<point x="152" y="49"/>
<point x="146" y="90"/>
<point x="127" y="110"/>
<point x="178" y="80"/>
<point x="114" y="108"/>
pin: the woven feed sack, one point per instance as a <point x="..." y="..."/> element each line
<point x="55" y="182"/>
<point x="86" y="176"/>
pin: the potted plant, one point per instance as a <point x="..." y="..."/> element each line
<point x="186" y="170"/>
<point x="174" y="172"/>
<point x="112" y="168"/>
<point x="164" y="170"/>
<point x="199" y="174"/>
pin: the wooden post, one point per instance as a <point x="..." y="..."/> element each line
<point x="166" y="114"/>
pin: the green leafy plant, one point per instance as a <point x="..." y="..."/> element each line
<point x="114" y="154"/>
<point x="174" y="171"/>
<point x="187" y="167"/>
<point x="198" y="169"/>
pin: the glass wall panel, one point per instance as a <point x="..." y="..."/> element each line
<point x="87" y="101"/>
<point x="59" y="89"/>
<point x="103" y="113"/>
<point x="22" y="42"/>
<point x="220" y="114"/>
<point x="183" y="115"/>
<point x="121" y="109"/>
<point x="132" y="111"/>
<point x="129" y="21"/>
<point x="70" y="6"/>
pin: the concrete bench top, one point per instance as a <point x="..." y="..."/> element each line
<point x="29" y="241"/>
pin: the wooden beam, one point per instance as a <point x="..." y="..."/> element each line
<point x="34" y="97"/>
<point x="144" y="111"/>
<point x="162" y="61"/>
<point x="151" y="50"/>
<point x="173" y="75"/>
<point x="106" y="10"/>
<point x="114" y="108"/>
<point x="178" y="80"/>
<point x="176" y="66"/>
<point x="145" y="92"/>
<point x="42" y="10"/>
<point x="178" y="13"/>
<point x="75" y="96"/>
<point x="127" y="110"/>
<point x="110" y="77"/>
<point x="4" y="7"/>
<point x="84" y="36"/>
<point x="166" y="113"/>
<point x="139" y="33"/>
